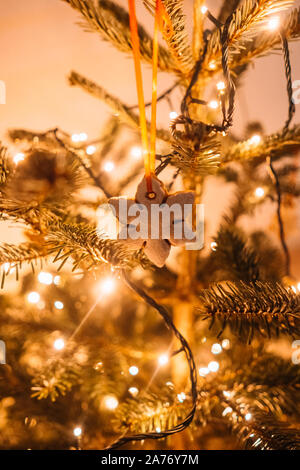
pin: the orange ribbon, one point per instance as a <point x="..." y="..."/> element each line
<point x="162" y="23"/>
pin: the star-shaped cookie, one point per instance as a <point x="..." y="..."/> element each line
<point x="155" y="220"/>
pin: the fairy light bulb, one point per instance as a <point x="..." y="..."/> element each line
<point x="6" y="267"/>
<point x="77" y="431"/>
<point x="136" y="152"/>
<point x="45" y="278"/>
<point x="212" y="65"/>
<point x="33" y="297"/>
<point x="75" y="138"/>
<point x="227" y="410"/>
<point x="56" y="280"/>
<point x="214" y="246"/>
<point x="204" y="10"/>
<point x="82" y="137"/>
<point x="110" y="402"/>
<point x="173" y="115"/>
<point x="213" y="104"/>
<point x="225" y="344"/>
<point x="90" y="150"/>
<point x="59" y="344"/>
<point x="109" y="166"/>
<point x="213" y="366"/>
<point x="163" y="359"/>
<point x="298" y="286"/>
<point x="294" y="289"/>
<point x="107" y="286"/>
<point x="19" y="157"/>
<point x="181" y="397"/>
<point x="133" y="370"/>
<point x="248" y="416"/>
<point x="259" y="192"/>
<point x="255" y="139"/>
<point x="273" y="23"/>
<point x="216" y="348"/>
<point x="133" y="391"/>
<point x="203" y="371"/>
<point x="221" y="86"/>
<point x="58" y="304"/>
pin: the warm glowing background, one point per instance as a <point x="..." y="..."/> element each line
<point x="41" y="42"/>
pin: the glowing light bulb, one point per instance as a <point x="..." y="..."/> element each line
<point x="227" y="410"/>
<point x="298" y="286"/>
<point x="181" y="397"/>
<point x="216" y="348"/>
<point x="213" y="104"/>
<point x="212" y="65"/>
<point x="255" y="139"/>
<point x="107" y="286"/>
<point x="259" y="192"/>
<point x="294" y="289"/>
<point x="203" y="371"/>
<point x="163" y="359"/>
<point x="6" y="267"/>
<point x="75" y="138"/>
<point x="56" y="280"/>
<point x="273" y="23"/>
<point x="58" y="304"/>
<point x="204" y="9"/>
<point x="33" y="297"/>
<point x="109" y="166"/>
<point x="136" y="152"/>
<point x="133" y="391"/>
<point x="221" y="86"/>
<point x="45" y="278"/>
<point x="82" y="136"/>
<point x="248" y="416"/>
<point x="214" y="246"/>
<point x="173" y="115"/>
<point x="110" y="402"/>
<point x="133" y="370"/>
<point x="77" y="431"/>
<point x="158" y="429"/>
<point x="225" y="344"/>
<point x="59" y="344"/>
<point x="91" y="149"/>
<point x="213" y="366"/>
<point x="19" y="157"/>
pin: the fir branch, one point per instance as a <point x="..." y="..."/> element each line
<point x="150" y="412"/>
<point x="85" y="245"/>
<point x="265" y="41"/>
<point x="233" y="257"/>
<point x="263" y="432"/>
<point x="4" y="170"/>
<point x="278" y="144"/>
<point x="249" y="309"/>
<point x="56" y="380"/>
<point x="176" y="37"/>
<point x="12" y="257"/>
<point x="201" y="160"/>
<point x="111" y="21"/>
<point x="124" y="112"/>
<point x="244" y="25"/>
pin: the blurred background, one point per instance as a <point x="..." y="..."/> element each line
<point x="41" y="43"/>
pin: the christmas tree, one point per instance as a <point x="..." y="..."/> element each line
<point x="107" y="343"/>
